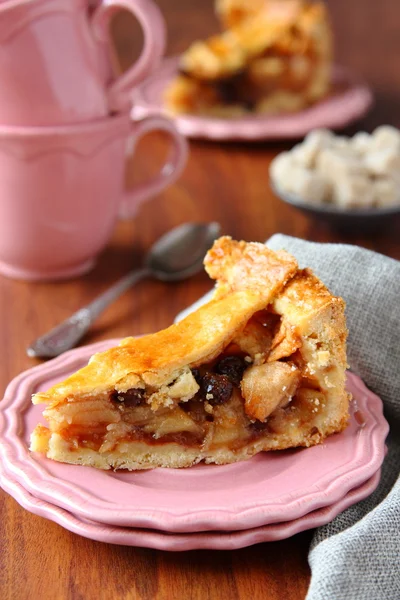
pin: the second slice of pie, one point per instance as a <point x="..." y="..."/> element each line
<point x="260" y="367"/>
<point x="273" y="57"/>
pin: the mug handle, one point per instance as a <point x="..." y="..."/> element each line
<point x="169" y="172"/>
<point x="154" y="33"/>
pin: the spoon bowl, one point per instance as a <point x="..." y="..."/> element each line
<point x="180" y="252"/>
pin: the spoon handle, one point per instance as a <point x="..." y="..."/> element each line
<point x="68" y="333"/>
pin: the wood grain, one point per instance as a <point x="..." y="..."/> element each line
<point x="223" y="182"/>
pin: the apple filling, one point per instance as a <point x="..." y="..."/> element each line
<point x="249" y="390"/>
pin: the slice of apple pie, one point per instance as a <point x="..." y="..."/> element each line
<point x="275" y="56"/>
<point x="232" y="13"/>
<point x="260" y="367"/>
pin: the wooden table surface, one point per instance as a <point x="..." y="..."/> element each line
<point x="223" y="182"/>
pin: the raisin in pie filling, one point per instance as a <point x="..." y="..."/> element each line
<point x="260" y="367"/>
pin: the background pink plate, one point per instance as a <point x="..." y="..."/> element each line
<point x="339" y="110"/>
<point x="270" y="488"/>
<point x="182" y="541"/>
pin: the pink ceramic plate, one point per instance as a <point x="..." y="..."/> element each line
<point x="182" y="541"/>
<point x="270" y="488"/>
<point x="339" y="110"/>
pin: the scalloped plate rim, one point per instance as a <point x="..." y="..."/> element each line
<point x="177" y="542"/>
<point x="187" y="521"/>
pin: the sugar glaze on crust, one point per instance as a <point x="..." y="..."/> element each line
<point x="260" y="367"/>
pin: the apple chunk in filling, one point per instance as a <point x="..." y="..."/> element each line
<point x="267" y="387"/>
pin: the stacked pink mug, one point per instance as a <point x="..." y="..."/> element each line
<point x="65" y="130"/>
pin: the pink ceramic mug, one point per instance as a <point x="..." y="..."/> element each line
<point x="62" y="189"/>
<point x="50" y="65"/>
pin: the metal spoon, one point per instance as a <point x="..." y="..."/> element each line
<point x="175" y="256"/>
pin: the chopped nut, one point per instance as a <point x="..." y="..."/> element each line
<point x="208" y="408"/>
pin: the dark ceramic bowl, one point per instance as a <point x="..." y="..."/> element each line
<point x="355" y="220"/>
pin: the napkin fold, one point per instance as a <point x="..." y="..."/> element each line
<point x="356" y="556"/>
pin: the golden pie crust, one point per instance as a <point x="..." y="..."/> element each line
<point x="260" y="367"/>
<point x="274" y="56"/>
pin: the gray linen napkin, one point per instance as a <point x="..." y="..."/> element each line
<point x="356" y="556"/>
